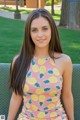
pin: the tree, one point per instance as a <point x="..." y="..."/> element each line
<point x="21" y="3"/>
<point x="17" y="14"/>
<point x="52" y="7"/>
<point x="70" y="14"/>
<point x="4" y="3"/>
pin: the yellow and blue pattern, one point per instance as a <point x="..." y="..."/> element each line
<point x="42" y="92"/>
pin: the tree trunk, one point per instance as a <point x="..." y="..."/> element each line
<point x="70" y="14"/>
<point x="52" y="7"/>
<point x="78" y="15"/>
<point x="64" y="13"/>
<point x="21" y="3"/>
<point x="17" y="14"/>
<point x="4" y="3"/>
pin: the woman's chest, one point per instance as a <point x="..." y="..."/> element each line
<point x="43" y="79"/>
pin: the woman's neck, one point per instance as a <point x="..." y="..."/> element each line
<point x="41" y="53"/>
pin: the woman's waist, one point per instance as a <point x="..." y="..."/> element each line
<point x="40" y="105"/>
<point x="51" y="115"/>
<point x="49" y="108"/>
<point x="40" y="114"/>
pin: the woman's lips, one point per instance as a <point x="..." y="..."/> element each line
<point x="40" y="40"/>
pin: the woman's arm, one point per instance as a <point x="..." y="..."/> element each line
<point x="15" y="103"/>
<point x="66" y="90"/>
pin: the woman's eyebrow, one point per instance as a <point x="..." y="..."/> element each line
<point x="45" y="26"/>
<point x="36" y="27"/>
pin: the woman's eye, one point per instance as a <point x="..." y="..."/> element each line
<point x="34" y="30"/>
<point x="45" y="28"/>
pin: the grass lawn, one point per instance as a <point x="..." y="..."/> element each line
<point x="56" y="15"/>
<point x="11" y="37"/>
<point x="70" y="40"/>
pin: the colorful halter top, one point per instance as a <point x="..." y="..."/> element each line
<point x="42" y="90"/>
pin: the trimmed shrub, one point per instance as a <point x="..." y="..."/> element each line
<point x="48" y="2"/>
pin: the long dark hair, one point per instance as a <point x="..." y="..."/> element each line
<point x="22" y="62"/>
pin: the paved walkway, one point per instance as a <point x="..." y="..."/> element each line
<point x="10" y="15"/>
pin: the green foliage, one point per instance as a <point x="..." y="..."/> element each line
<point x="49" y="2"/>
<point x="57" y="1"/>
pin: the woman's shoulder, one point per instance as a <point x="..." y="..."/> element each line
<point x="63" y="60"/>
<point x="66" y="59"/>
<point x="14" y="59"/>
<point x="67" y="62"/>
<point x="63" y="57"/>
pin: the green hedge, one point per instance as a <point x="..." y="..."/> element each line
<point x="48" y="2"/>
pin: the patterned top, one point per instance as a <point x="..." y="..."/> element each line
<point x="42" y="89"/>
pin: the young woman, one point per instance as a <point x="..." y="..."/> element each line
<point x="41" y="73"/>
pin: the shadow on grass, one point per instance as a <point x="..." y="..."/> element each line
<point x="13" y="10"/>
<point x="7" y="8"/>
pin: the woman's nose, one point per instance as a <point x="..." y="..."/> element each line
<point x="40" y="33"/>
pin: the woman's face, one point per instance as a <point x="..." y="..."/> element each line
<point x="40" y="32"/>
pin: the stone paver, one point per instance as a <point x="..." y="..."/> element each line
<point x="7" y="14"/>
